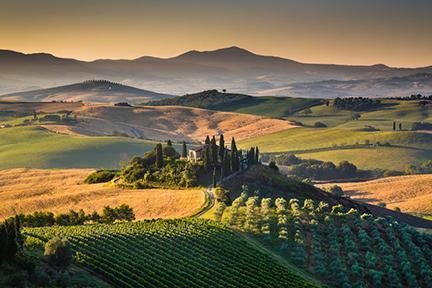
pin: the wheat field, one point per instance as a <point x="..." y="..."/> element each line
<point x="412" y="193"/>
<point x="27" y="190"/>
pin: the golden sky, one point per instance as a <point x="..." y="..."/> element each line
<point x="392" y="32"/>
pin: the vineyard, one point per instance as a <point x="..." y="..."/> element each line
<point x="342" y="248"/>
<point x="172" y="253"/>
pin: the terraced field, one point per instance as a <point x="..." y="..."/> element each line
<point x="173" y="253"/>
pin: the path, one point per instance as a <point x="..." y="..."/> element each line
<point x="211" y="201"/>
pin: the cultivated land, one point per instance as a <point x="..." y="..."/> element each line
<point x="174" y="253"/>
<point x="58" y="191"/>
<point x="345" y="138"/>
<point x="411" y="193"/>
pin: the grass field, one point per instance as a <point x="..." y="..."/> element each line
<point x="173" y="253"/>
<point x="407" y="147"/>
<point x="38" y="148"/>
<point x="30" y="190"/>
<point x="411" y="193"/>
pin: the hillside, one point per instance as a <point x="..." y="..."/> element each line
<point x="412" y="194"/>
<point x="173" y="253"/>
<point x="342" y="247"/>
<point x="37" y="147"/>
<point x="169" y="122"/>
<point x="360" y="137"/>
<point x="231" y="68"/>
<point x="264" y="106"/>
<point x="30" y="190"/>
<point x="89" y="91"/>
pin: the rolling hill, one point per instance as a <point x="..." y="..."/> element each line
<point x="232" y="68"/>
<point x="412" y="193"/>
<point x="264" y="106"/>
<point x="362" y="139"/>
<point x="89" y="91"/>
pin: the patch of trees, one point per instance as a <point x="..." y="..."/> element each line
<point x="101" y="176"/>
<point x="423" y="168"/>
<point x="162" y="167"/>
<point x="421" y="126"/>
<point x="209" y="99"/>
<point x="108" y="215"/>
<point x="356" y="103"/>
<point x="338" y="245"/>
<point x="413" y="97"/>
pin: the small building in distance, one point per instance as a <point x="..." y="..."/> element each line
<point x="197" y="153"/>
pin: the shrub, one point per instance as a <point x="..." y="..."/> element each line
<point x="58" y="253"/>
<point x="273" y="166"/>
<point x="336" y="190"/>
<point x="100" y="176"/>
<point x="319" y="125"/>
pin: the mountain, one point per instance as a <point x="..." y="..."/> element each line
<point x="89" y="91"/>
<point x="380" y="87"/>
<point x="233" y="68"/>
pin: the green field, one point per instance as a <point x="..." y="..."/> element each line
<point x="36" y="147"/>
<point x="335" y="142"/>
<point x="173" y="253"/>
<point x="268" y="106"/>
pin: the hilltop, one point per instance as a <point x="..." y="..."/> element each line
<point x="221" y="101"/>
<point x="88" y="91"/>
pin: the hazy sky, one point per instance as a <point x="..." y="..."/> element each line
<point x="393" y="32"/>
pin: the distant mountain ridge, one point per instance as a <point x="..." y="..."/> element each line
<point x="88" y="91"/>
<point x="233" y="68"/>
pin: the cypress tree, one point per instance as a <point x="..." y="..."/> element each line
<point x="11" y="243"/>
<point x="159" y="156"/>
<point x="214" y="177"/>
<point x="206" y="156"/>
<point x="256" y="155"/>
<point x="394" y="126"/>
<point x="207" y="140"/>
<point x="221" y="148"/>
<point x="235" y="161"/>
<point x="213" y="152"/>
<point x="184" y="150"/>
<point x="226" y="164"/>
<point x="169" y="143"/>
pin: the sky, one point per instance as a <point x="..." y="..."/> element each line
<point x="393" y="32"/>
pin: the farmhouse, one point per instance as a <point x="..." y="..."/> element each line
<point x="197" y="153"/>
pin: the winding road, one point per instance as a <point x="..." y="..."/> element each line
<point x="209" y="195"/>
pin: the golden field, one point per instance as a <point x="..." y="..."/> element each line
<point x="28" y="190"/>
<point x="412" y="193"/>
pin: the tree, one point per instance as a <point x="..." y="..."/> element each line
<point x="226" y="165"/>
<point x="184" y="150"/>
<point x="221" y="151"/>
<point x="214" y="177"/>
<point x="207" y="159"/>
<point x="394" y="126"/>
<point x="213" y="152"/>
<point x="159" y="156"/>
<point x="58" y="253"/>
<point x="207" y="140"/>
<point x="256" y="155"/>
<point x="235" y="159"/>
<point x="400" y="126"/>
<point x="169" y="143"/>
<point x="273" y="166"/>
